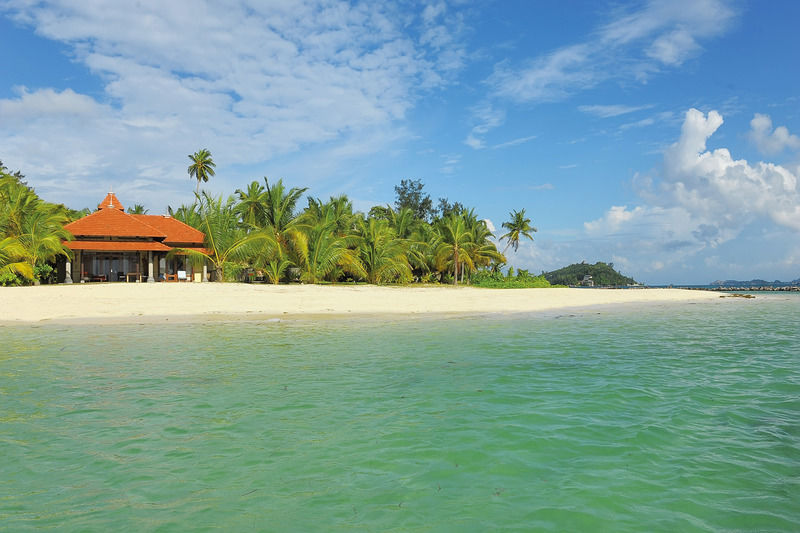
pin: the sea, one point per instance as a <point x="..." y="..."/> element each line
<point x="662" y="417"/>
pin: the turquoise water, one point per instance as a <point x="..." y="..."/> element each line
<point x="676" y="418"/>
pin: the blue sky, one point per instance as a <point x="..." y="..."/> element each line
<point x="662" y="136"/>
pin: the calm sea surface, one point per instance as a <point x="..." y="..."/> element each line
<point x="660" y="418"/>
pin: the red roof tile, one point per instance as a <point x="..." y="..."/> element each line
<point x="112" y="223"/>
<point x="176" y="231"/>
<point x="110" y="202"/>
<point x="117" y="246"/>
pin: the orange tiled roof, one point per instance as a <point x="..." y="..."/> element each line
<point x="112" y="223"/>
<point x="110" y="202"/>
<point x="117" y="246"/>
<point x="175" y="230"/>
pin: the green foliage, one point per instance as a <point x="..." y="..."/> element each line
<point x="137" y="209"/>
<point x="603" y="274"/>
<point x="44" y="273"/>
<point x="260" y="229"/>
<point x="495" y="280"/>
<point x="10" y="279"/>
<point x="409" y="195"/>
<point x="31" y="230"/>
<point x="518" y="226"/>
<point x="202" y="167"/>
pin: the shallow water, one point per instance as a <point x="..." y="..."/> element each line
<point x="657" y="418"/>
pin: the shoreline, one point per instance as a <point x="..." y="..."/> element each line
<point x="206" y="302"/>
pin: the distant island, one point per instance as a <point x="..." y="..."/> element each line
<point x="755" y="283"/>
<point x="597" y="275"/>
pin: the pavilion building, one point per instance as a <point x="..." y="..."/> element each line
<point x="112" y="245"/>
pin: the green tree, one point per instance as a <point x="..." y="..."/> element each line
<point x="202" y="167"/>
<point x="284" y="225"/>
<point x="410" y="195"/>
<point x="226" y="242"/>
<point x="137" y="209"/>
<point x="482" y="251"/>
<point x="188" y="214"/>
<point x="453" y="248"/>
<point x="252" y="205"/>
<point x="34" y="228"/>
<point x="13" y="261"/>
<point x="519" y="226"/>
<point x="383" y="254"/>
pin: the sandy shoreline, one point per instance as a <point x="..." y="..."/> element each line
<point x="122" y="301"/>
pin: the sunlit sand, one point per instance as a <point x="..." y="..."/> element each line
<point x="207" y="300"/>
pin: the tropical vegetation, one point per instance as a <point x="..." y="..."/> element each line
<point x="602" y="274"/>
<point x="263" y="232"/>
<point x="31" y="232"/>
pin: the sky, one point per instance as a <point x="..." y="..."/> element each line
<point x="660" y="136"/>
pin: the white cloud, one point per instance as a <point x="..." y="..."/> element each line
<point x="607" y="111"/>
<point x="770" y="141"/>
<point x="514" y="142"/>
<point x="703" y="201"/>
<point x="486" y="117"/>
<point x="667" y="30"/>
<point x="290" y="76"/>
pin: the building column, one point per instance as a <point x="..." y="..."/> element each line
<point x="68" y="269"/>
<point x="150" y="278"/>
<point x="205" y="272"/>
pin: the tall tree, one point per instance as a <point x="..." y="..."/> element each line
<point x="454" y="245"/>
<point x="518" y="226"/>
<point x="383" y="254"/>
<point x="227" y="244"/>
<point x="409" y="194"/>
<point x="202" y="167"/>
<point x="252" y="206"/>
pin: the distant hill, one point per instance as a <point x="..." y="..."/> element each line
<point x="602" y="274"/>
<point x="755" y="283"/>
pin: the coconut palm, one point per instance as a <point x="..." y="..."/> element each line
<point x="43" y="234"/>
<point x="382" y="253"/>
<point x="227" y="244"/>
<point x="483" y="252"/>
<point x="329" y="248"/>
<point x="14" y="259"/>
<point x="251" y="205"/>
<point x="453" y="249"/>
<point x="280" y="220"/>
<point x="137" y="209"/>
<point x="202" y="167"/>
<point x="188" y="214"/>
<point x="327" y="252"/>
<point x="518" y="226"/>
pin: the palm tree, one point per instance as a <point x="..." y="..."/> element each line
<point x="137" y="209"/>
<point x="227" y="244"/>
<point x="327" y="252"/>
<point x="188" y="214"/>
<point x="454" y="246"/>
<point x="251" y="205"/>
<point x="280" y="220"/>
<point x="483" y="252"/>
<point x="14" y="260"/>
<point x="517" y="227"/>
<point x="202" y="167"/>
<point x="382" y="253"/>
<point x="43" y="234"/>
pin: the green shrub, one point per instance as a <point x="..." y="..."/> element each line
<point x="44" y="273"/>
<point x="9" y="279"/>
<point x="523" y="280"/>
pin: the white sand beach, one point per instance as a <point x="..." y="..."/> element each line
<point x="123" y="301"/>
